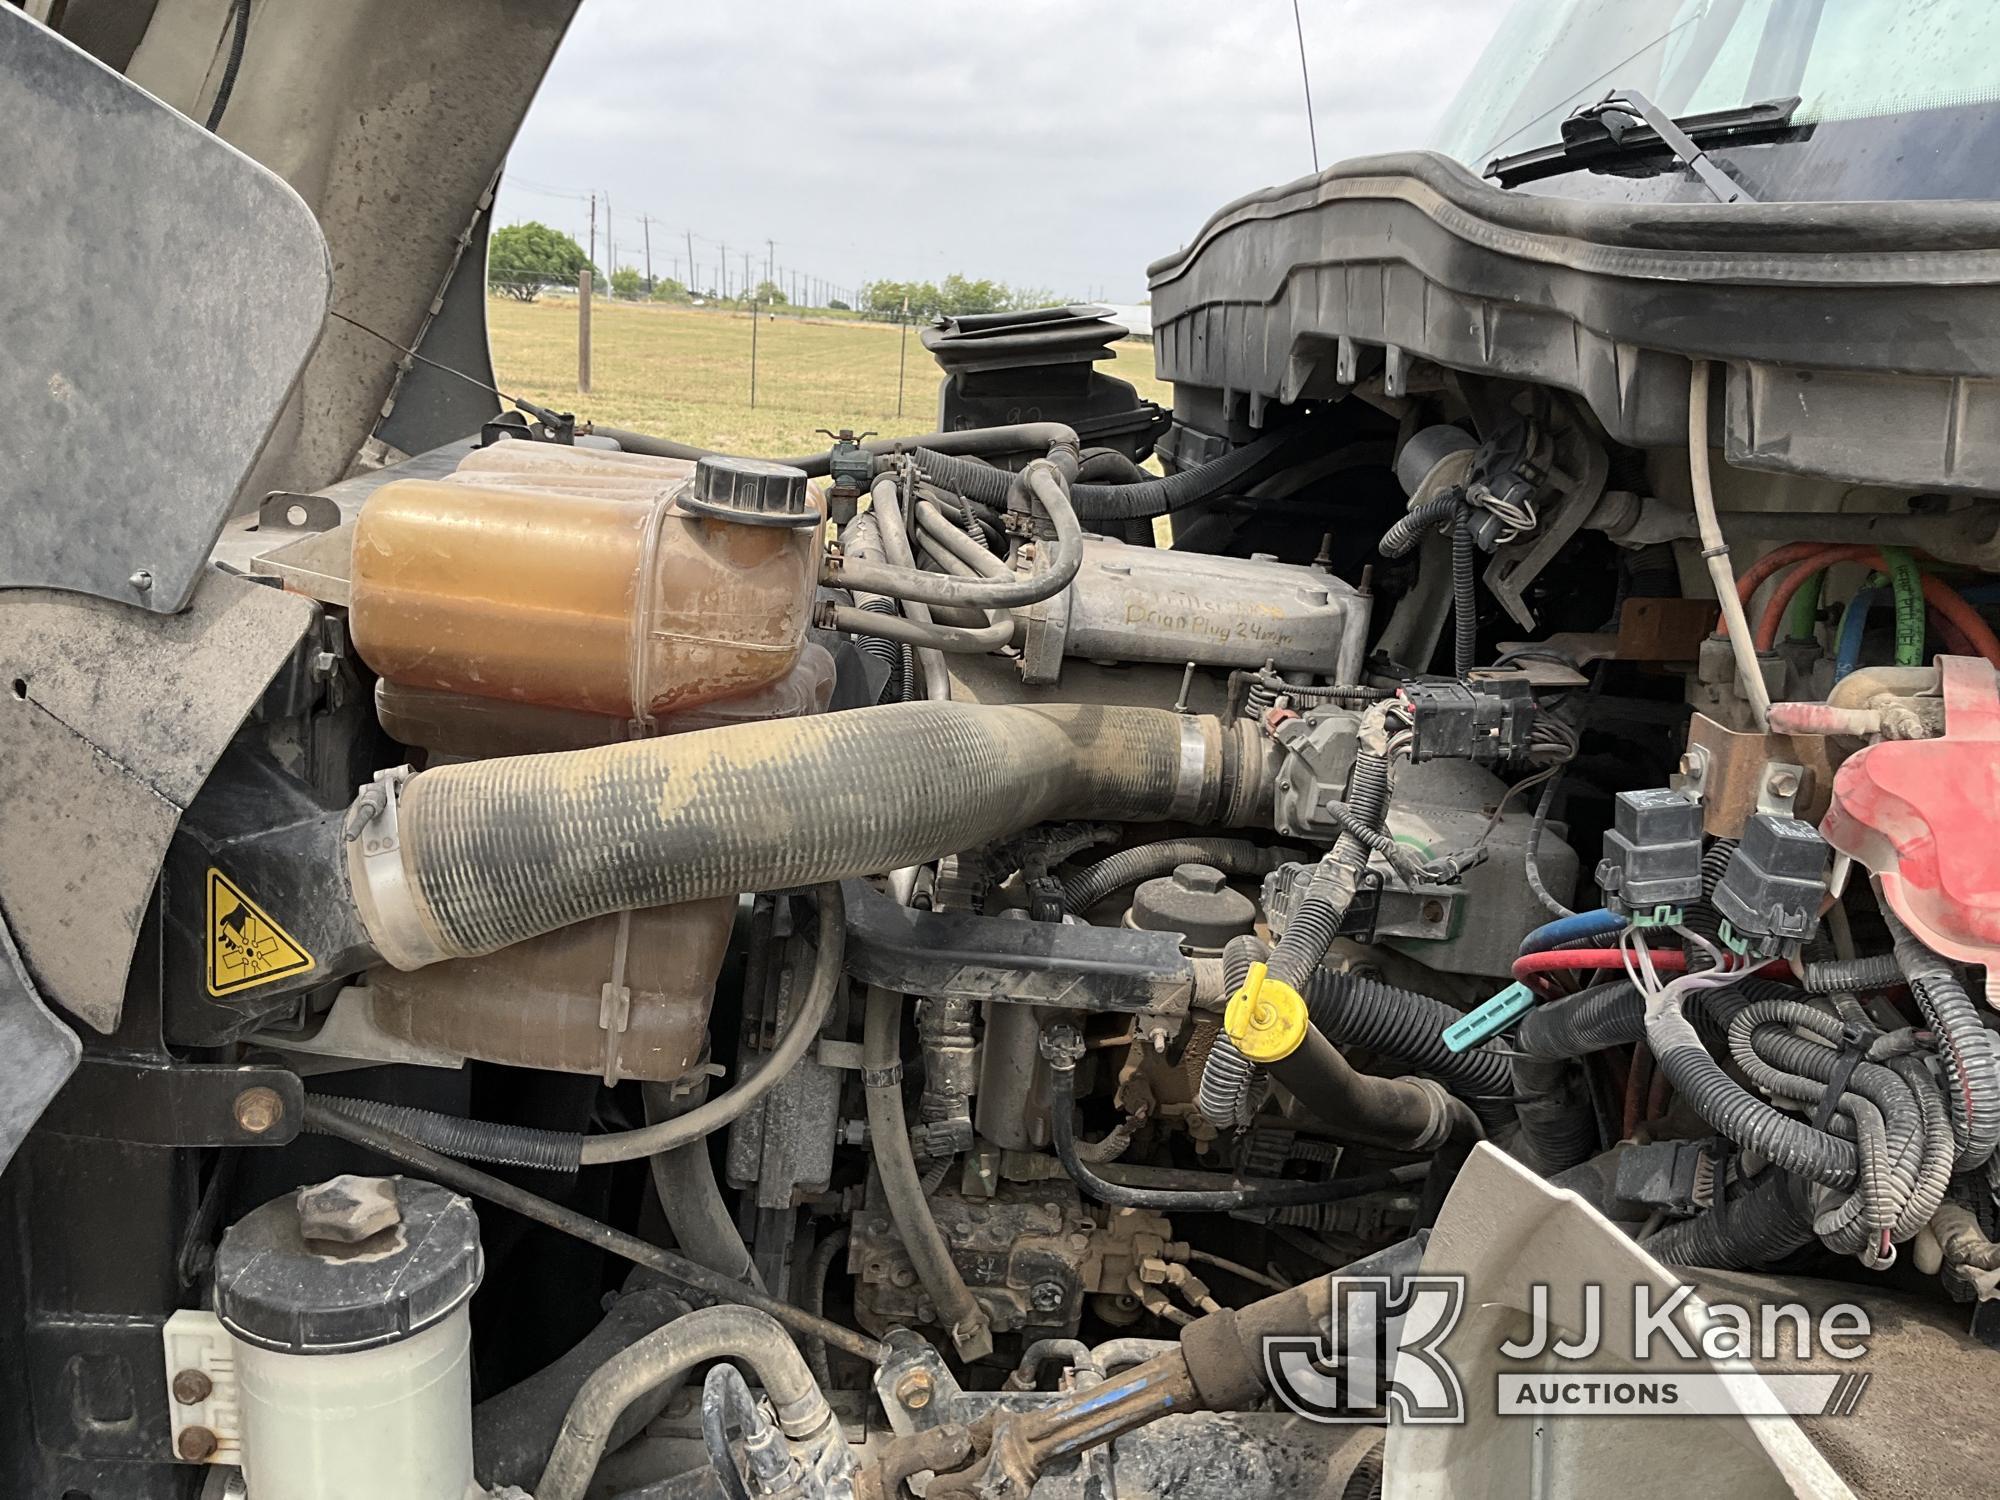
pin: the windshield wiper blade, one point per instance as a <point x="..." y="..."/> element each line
<point x="1625" y="125"/>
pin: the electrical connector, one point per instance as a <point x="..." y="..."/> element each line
<point x="1771" y="890"/>
<point x="1490" y="1019"/>
<point x="1652" y="855"/>
<point x="1487" y="722"/>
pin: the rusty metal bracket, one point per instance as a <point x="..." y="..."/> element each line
<point x="148" y="1103"/>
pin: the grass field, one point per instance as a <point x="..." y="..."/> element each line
<point x="685" y="374"/>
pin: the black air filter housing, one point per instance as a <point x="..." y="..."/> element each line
<point x="1037" y="366"/>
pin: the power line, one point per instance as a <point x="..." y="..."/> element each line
<point x="1312" y="131"/>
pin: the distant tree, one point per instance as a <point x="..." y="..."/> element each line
<point x="834" y="304"/>
<point x="1022" y="298"/>
<point x="958" y="295"/>
<point x="625" y="282"/>
<point x="521" y="259"/>
<point x="769" y="294"/>
<point x="666" y="289"/>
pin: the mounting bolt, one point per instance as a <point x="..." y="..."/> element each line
<point x="1047" y="1296"/>
<point x="142" y="580"/>
<point x="192" y="1387"/>
<point x="195" y="1444"/>
<point x="1784" y="783"/>
<point x="258" y="1110"/>
<point x="1433" y="910"/>
<point x="914" y="1390"/>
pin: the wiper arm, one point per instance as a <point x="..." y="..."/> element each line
<point x="1625" y="124"/>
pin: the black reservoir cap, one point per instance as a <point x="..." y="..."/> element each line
<point x="353" y="1263"/>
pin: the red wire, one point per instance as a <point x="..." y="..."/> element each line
<point x="1562" y="960"/>
<point x="1948" y="601"/>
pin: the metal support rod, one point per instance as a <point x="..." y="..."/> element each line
<point x="456" y="1174"/>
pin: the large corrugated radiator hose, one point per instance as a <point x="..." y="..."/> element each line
<point x="466" y="859"/>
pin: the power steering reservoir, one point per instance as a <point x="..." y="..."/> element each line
<point x="337" y="1361"/>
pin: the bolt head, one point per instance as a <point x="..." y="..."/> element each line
<point x="142" y="580"/>
<point x="914" y="1390"/>
<point x="1047" y="1296"/>
<point x="1203" y="878"/>
<point x="195" y="1444"/>
<point x="258" y="1110"/>
<point x="192" y="1387"/>
<point x="1433" y="910"/>
<point x="1785" y="783"/>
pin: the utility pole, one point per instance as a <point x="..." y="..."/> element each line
<point x="725" y="272"/>
<point x="746" y="274"/>
<point x="646" y="225"/>
<point x="770" y="260"/>
<point x="902" y="356"/>
<point x="583" y="329"/>
<point x="610" y="245"/>
<point x="593" y="229"/>
<point x="691" y="287"/>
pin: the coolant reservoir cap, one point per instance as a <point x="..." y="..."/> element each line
<point x="291" y="1276"/>
<point x="750" y="490"/>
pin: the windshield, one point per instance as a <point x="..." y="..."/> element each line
<point x="1846" y="59"/>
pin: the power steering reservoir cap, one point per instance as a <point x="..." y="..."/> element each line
<point x="750" y="490"/>
<point x="355" y="1263"/>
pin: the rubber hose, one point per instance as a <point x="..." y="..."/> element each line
<point x="470" y="1180"/>
<point x="468" y="1140"/>
<point x="896" y="1166"/>
<point x="710" y="1333"/>
<point x="1151" y="497"/>
<point x="1401" y="539"/>
<point x="1229" y="1091"/>
<point x="497" y="851"/>
<point x="1970" y="1055"/>
<point x="1558" y="1120"/>
<point x="725" y="1398"/>
<point x="1021" y="437"/>
<point x="1464" y="594"/>
<point x="1409" y="1026"/>
<point x="1764" y="1224"/>
<point x="512" y="1432"/>
<point x="825" y="1253"/>
<point x="1001" y="587"/>
<point x="1094" y="882"/>
<point x="690" y="1197"/>
<point x="933" y="635"/>
<point x="239" y="35"/>
<point x="1878" y="971"/>
<point x="1228" y="1193"/>
<point x="1397" y="1114"/>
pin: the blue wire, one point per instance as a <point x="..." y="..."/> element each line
<point x="1585" y="924"/>
<point x="1853" y="626"/>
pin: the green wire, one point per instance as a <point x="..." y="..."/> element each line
<point x="1802" y="614"/>
<point x="1909" y="590"/>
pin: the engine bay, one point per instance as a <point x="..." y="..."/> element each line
<point x="925" y="967"/>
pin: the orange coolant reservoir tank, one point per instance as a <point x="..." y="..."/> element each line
<point x="601" y="582"/>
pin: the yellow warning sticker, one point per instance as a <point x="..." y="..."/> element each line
<point x="245" y="947"/>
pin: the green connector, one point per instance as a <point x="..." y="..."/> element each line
<point x="1659" y="916"/>
<point x="1492" y="1018"/>
<point x="1729" y="939"/>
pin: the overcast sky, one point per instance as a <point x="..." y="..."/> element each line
<point x="1059" y="144"/>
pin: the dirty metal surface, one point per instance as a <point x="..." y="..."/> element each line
<point x="110" y="721"/>
<point x="166" y="293"/>
<point x="37" y="1052"/>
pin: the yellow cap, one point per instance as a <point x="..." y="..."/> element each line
<point x="1266" y="1018"/>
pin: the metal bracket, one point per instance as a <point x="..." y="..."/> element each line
<point x="147" y="1103"/>
<point x="956" y="955"/>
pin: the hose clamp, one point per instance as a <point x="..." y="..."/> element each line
<point x="383" y="895"/>
<point x="1193" y="786"/>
